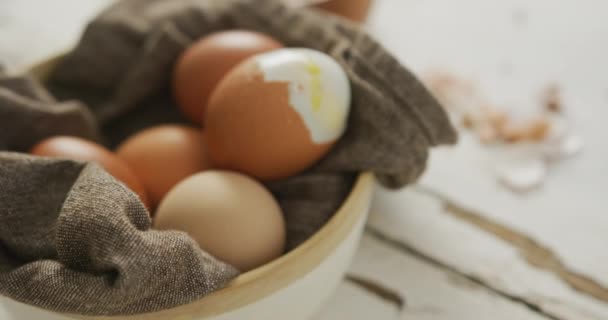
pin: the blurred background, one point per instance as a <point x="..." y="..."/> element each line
<point x="512" y="222"/>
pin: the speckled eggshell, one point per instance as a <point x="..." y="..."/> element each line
<point x="277" y="113"/>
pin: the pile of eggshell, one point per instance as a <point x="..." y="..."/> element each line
<point x="260" y="112"/>
<point x="521" y="144"/>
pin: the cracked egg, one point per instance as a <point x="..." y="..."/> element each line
<point x="277" y="113"/>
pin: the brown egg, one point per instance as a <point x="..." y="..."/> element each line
<point x="277" y="113"/>
<point x="231" y="216"/>
<point x="204" y="64"/>
<point x="163" y="156"/>
<point x="356" y="10"/>
<point x="83" y="150"/>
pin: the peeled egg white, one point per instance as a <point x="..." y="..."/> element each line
<point x="278" y="113"/>
<point x="319" y="89"/>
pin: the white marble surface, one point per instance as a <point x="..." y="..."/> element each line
<point x="459" y="246"/>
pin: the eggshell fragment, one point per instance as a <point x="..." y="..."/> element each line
<point x="519" y="167"/>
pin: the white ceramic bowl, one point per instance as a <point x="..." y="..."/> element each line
<point x="292" y="287"/>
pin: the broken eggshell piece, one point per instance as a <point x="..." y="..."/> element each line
<point x="278" y="113"/>
<point x="519" y="167"/>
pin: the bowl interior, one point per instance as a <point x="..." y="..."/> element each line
<point x="269" y="278"/>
